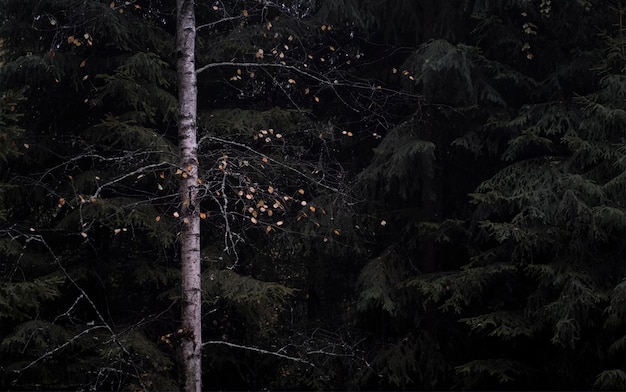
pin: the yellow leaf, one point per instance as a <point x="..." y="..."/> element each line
<point x="268" y="229"/>
<point x="316" y="99"/>
<point x="117" y="231"/>
<point x="162" y="175"/>
<point x="311" y="208"/>
<point x="244" y="13"/>
<point x="83" y="234"/>
<point x="253" y="220"/>
<point x="279" y="223"/>
<point x="270" y="189"/>
<point x="83" y="63"/>
<point x="291" y="81"/>
<point x="158" y="218"/>
<point x="203" y="215"/>
<point x="112" y="5"/>
<point x="176" y="214"/>
<point x="178" y="171"/>
<point x="337" y="232"/>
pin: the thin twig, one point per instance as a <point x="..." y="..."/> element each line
<point x="258" y="350"/>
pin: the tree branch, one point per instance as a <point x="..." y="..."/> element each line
<point x="258" y="350"/>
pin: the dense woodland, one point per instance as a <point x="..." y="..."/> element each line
<point x="395" y="194"/>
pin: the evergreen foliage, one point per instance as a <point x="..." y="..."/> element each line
<point x="424" y="196"/>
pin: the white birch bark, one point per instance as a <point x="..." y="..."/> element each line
<point x="190" y="234"/>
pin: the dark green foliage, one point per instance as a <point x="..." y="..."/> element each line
<point x="424" y="196"/>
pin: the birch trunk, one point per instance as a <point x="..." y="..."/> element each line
<point x="190" y="233"/>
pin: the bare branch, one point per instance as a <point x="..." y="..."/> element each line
<point x="258" y="350"/>
<point x="363" y="85"/>
<point x="59" y="348"/>
<point x="213" y="24"/>
<point x="250" y="149"/>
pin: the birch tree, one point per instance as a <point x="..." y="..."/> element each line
<point x="190" y="233"/>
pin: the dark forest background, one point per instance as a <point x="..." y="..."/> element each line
<point x="396" y="194"/>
